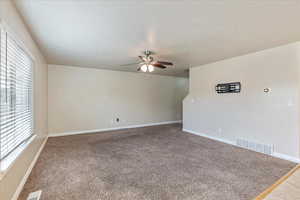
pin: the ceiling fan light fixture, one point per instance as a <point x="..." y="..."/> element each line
<point x="150" y="68"/>
<point x="144" y="68"/>
<point x="148" y="64"/>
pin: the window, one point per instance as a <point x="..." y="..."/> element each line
<point x="16" y="114"/>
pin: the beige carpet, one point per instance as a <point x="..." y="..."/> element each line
<point x="154" y="163"/>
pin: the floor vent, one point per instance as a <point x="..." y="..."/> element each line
<point x="262" y="148"/>
<point x="35" y="195"/>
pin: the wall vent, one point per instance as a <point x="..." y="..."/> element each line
<point x="35" y="195"/>
<point x="262" y="148"/>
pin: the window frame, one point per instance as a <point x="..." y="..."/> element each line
<point x="10" y="159"/>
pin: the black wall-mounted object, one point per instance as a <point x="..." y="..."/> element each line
<point x="228" y="87"/>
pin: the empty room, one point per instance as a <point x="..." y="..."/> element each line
<point x="149" y="100"/>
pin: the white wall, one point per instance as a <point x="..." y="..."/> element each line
<point x="11" y="179"/>
<point x="82" y="99"/>
<point x="268" y="118"/>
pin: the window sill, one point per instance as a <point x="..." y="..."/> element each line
<point x="7" y="163"/>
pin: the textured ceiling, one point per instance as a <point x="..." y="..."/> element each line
<point x="107" y="34"/>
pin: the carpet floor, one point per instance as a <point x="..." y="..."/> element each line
<point x="152" y="163"/>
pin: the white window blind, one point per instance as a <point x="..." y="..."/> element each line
<point x="16" y="114"/>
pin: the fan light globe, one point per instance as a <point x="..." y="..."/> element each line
<point x="150" y="68"/>
<point x="144" y="68"/>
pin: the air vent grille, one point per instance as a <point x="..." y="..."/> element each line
<point x="262" y="148"/>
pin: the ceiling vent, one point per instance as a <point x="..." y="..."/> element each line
<point x="35" y="195"/>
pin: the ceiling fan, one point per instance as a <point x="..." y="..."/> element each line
<point x="148" y="64"/>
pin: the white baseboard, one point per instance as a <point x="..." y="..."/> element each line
<point x="25" y="177"/>
<point x="286" y="157"/>
<point x="275" y="154"/>
<point x="209" y="137"/>
<point x="112" y="129"/>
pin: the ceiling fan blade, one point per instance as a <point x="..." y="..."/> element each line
<point x="159" y="65"/>
<point x="164" y="63"/>
<point x="142" y="58"/>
